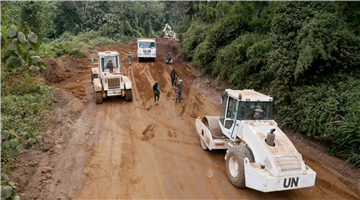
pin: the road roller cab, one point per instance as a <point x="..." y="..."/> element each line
<point x="259" y="155"/>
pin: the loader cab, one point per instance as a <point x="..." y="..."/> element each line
<point x="105" y="58"/>
<point x="241" y="105"/>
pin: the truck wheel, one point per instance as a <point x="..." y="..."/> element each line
<point x="235" y="164"/>
<point x="203" y="145"/>
<point x="128" y="95"/>
<point x="98" y="97"/>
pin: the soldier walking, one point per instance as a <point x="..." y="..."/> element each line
<point x="130" y="58"/>
<point x="156" y="91"/>
<point x="173" y="75"/>
<point x="178" y="92"/>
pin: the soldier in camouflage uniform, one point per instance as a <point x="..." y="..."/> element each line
<point x="173" y="75"/>
<point x="178" y="91"/>
<point x="156" y="91"/>
<point x="130" y="58"/>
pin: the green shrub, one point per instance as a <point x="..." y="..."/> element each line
<point x="73" y="45"/>
<point x="223" y="32"/>
<point x="25" y="103"/>
<point x="104" y="30"/>
<point x="251" y="74"/>
<point x="11" y="145"/>
<point x="315" y="108"/>
<point x="191" y="38"/>
<point x="346" y="138"/>
<point x="234" y="56"/>
<point x="309" y="38"/>
<point x="327" y="112"/>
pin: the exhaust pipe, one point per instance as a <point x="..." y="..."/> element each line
<point x="270" y="139"/>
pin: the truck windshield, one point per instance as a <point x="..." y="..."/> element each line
<point x="247" y="110"/>
<point x="106" y="61"/>
<point x="147" y="45"/>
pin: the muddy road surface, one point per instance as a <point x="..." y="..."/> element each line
<point x="139" y="150"/>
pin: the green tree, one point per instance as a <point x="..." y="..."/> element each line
<point x="148" y="28"/>
<point x="104" y="29"/>
<point x="65" y="18"/>
<point x="35" y="16"/>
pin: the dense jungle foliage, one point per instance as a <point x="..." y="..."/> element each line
<point x="305" y="54"/>
<point x="65" y="27"/>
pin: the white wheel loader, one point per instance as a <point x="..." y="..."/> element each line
<point x="259" y="155"/>
<point x="107" y="79"/>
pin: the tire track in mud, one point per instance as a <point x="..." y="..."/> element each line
<point x="347" y="191"/>
<point x="145" y="72"/>
<point x="112" y="161"/>
<point x="133" y="84"/>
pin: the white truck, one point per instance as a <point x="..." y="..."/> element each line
<point x="146" y="48"/>
<point x="259" y="155"/>
<point x="110" y="82"/>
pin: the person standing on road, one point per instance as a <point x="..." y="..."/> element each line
<point x="130" y="58"/>
<point x="173" y="75"/>
<point x="178" y="92"/>
<point x="156" y="91"/>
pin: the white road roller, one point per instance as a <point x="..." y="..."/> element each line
<point x="259" y="155"/>
<point x="107" y="78"/>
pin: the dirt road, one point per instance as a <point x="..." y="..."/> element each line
<point x="137" y="150"/>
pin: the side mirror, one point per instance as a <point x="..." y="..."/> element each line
<point x="157" y="44"/>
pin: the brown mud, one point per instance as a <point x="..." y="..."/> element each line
<point x="138" y="150"/>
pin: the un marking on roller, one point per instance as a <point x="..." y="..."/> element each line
<point x="292" y="182"/>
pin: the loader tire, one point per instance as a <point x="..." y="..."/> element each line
<point x="128" y="95"/>
<point x="235" y="164"/>
<point x="98" y="97"/>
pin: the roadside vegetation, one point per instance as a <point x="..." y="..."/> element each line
<point x="304" y="54"/>
<point x="25" y="100"/>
